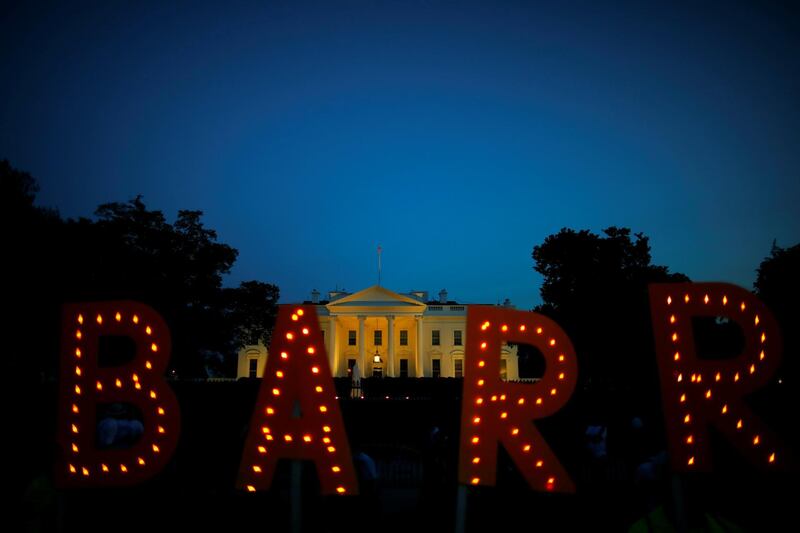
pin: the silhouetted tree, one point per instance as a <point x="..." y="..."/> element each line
<point x="778" y="286"/>
<point x="595" y="287"/>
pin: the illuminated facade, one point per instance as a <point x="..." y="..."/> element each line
<point x="389" y="334"/>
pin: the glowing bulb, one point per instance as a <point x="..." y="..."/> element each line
<point x="476" y="460"/>
<point x="251" y="488"/>
<point x="118" y="317"/>
<point x="504" y="327"/>
<point x="690" y="462"/>
<point x="318" y="388"/>
<point x="669" y="300"/>
<point x="310" y="350"/>
<point x="705" y="299"/>
<point x="331" y="449"/>
<point x="154" y="347"/>
<point x="485" y="326"/>
<point x="279" y="374"/>
<point x="262" y="449"/>
<point x="148" y="330"/>
<point x="481" y="364"/>
<point x="526" y="448"/>
<point x="295" y="317"/>
<point x="315" y="369"/>
<point x="80" y="319"/>
<point x="335" y="469"/>
<point x="289" y="336"/>
<point x="305" y="331"/>
<point x="552" y="342"/>
<point x="341" y="490"/>
<point x="256" y="469"/>
<point x="300" y="312"/>
<point x="724" y="408"/>
<point x="99" y="319"/>
<point x="476" y="480"/>
<point x="677" y="356"/>
<point x="323" y="409"/>
<point x="687" y="419"/>
<point x="539" y="331"/>
<point x="756" y="440"/>
<point x="276" y="392"/>
<point x="539" y="463"/>
<point x="515" y="431"/>
<point x="483" y="346"/>
<point x="522" y="327"/>
<point x="724" y="300"/>
<point x="475" y="440"/>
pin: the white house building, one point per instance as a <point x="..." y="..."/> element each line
<point x="389" y="334"/>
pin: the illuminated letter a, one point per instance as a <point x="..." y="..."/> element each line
<point x="297" y="415"/>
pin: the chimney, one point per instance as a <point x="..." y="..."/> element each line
<point x="315" y="296"/>
<point x="443" y="296"/>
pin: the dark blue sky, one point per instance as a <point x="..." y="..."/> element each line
<point x="457" y="135"/>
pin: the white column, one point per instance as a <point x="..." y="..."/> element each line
<point x="420" y="341"/>
<point x="362" y="345"/>
<point x="333" y="357"/>
<point x="390" y="353"/>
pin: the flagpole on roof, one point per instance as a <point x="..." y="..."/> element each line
<point x="379" y="264"/>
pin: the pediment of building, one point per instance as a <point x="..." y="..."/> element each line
<point x="376" y="298"/>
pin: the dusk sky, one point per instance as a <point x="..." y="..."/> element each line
<point x="457" y="135"/>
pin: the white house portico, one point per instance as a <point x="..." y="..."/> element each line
<point x="389" y="334"/>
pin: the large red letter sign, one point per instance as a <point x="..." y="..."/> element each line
<point x="494" y="411"/>
<point x="297" y="374"/>
<point x="84" y="385"/>
<point x="696" y="392"/>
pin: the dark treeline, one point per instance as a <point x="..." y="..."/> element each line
<point x="126" y="251"/>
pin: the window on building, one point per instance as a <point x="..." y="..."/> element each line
<point x="403" y="368"/>
<point x="437" y="368"/>
<point x="253" y="370"/>
<point x="435" y="337"/>
<point x="458" y="368"/>
<point x="503" y="369"/>
<point x="378" y="337"/>
<point x="403" y="337"/>
<point x="457" y="338"/>
<point x="350" y="364"/>
<point x="351" y="337"/>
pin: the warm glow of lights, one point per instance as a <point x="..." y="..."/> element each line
<point x="539" y="331"/>
<point x="752" y="368"/>
<point x="75" y="409"/>
<point x="677" y="356"/>
<point x="331" y="449"/>
<point x="674" y="337"/>
<point x="148" y="330"/>
<point x="77" y="352"/>
<point x="305" y="331"/>
<point x="315" y="369"/>
<point x="265" y="430"/>
<point x="761" y="356"/>
<point x="74" y="448"/>
<point x="262" y="449"/>
<point x="521" y="401"/>
<point x="476" y="460"/>
<point x="140" y="460"/>
<point x="323" y="409"/>
<point x="689" y="439"/>
<point x="290" y="336"/>
<point x="341" y="490"/>
<point x="483" y="346"/>
<point x="85" y="471"/>
<point x="763" y="338"/>
<point x="153" y="394"/>
<point x="77" y="371"/>
<point x="553" y="392"/>
<point x="77" y="389"/>
<point x="161" y="411"/>
<point x="522" y="327"/>
<point x="772" y="457"/>
<point x="686" y="298"/>
<point x="284" y="355"/>
<point x="708" y="394"/>
<point x="287" y="438"/>
<point x="279" y="374"/>
<point x="552" y="342"/>
<point x="687" y="419"/>
<point x="326" y="429"/>
<point x="104" y="467"/>
<point x="561" y="358"/>
<point x="742" y="307"/>
<point x="724" y="408"/>
<point x="736" y="377"/>
<point x="503" y="415"/>
<point x="80" y="319"/>
<point x="739" y="424"/>
<point x="669" y="300"/>
<point x="295" y="317"/>
<point x="476" y="480"/>
<point x="156" y="449"/>
<point x="306" y="438"/>
<point x="99" y="319"/>
<point x="154" y="347"/>
<point x="276" y="392"/>
<point x="476" y="420"/>
<point x="475" y="440"/>
<point x="515" y="431"/>
<point x="683" y="398"/>
<point x="251" y="488"/>
<point x="161" y="429"/>
<point x="526" y="448"/>
<point x="78" y="334"/>
<point x="539" y="463"/>
<point x="148" y="365"/>
<point x="318" y="388"/>
<point x="310" y="350"/>
<point x="118" y="316"/>
<point x="756" y="320"/>
<point x="485" y="326"/>
<point x="335" y="469"/>
<point x="256" y="469"/>
<point x="480" y="383"/>
<point x="99" y="386"/>
<point x="504" y="328"/>
<point x="481" y="364"/>
<point x="672" y="319"/>
<point x="756" y="440"/>
<point x="300" y="312"/>
<point x="680" y="378"/>
<point x="539" y="401"/>
<point x="705" y="299"/>
<point x="123" y="468"/>
<point x="690" y="462"/>
<point x="135" y="319"/>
